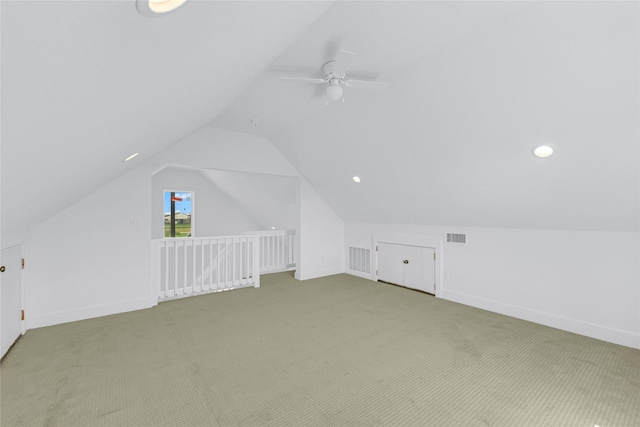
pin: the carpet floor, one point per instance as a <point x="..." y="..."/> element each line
<point x="334" y="351"/>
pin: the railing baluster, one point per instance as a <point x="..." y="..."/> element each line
<point x="273" y="251"/>
<point x="218" y="266"/>
<point x="166" y="268"/>
<point x="175" y="260"/>
<point x="210" y="264"/>
<point x="185" y="269"/>
<point x="282" y="259"/>
<point x="226" y="262"/>
<point x="193" y="269"/>
<point x="241" y="263"/>
<point x="256" y="260"/>
<point x="233" y="263"/>
<point x="202" y="265"/>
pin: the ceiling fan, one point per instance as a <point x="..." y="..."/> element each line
<point x="334" y="77"/>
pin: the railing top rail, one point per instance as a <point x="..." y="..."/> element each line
<point x="182" y="239"/>
<point x="270" y="232"/>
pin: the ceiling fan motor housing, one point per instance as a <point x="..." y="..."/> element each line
<point x="328" y="68"/>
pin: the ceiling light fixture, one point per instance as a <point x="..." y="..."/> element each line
<point x="130" y="157"/>
<point x="542" y="151"/>
<point x="157" y="7"/>
<point x="356" y="179"/>
<point x="255" y="122"/>
<point x="334" y="90"/>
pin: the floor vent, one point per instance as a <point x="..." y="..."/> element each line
<point x="456" y="238"/>
<point x="360" y="259"/>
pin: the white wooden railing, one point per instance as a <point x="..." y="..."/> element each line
<point x="277" y="250"/>
<point x="189" y="266"/>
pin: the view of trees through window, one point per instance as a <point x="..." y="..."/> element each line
<point x="178" y="214"/>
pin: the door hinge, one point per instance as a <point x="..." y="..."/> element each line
<point x="22" y="315"/>
<point x="376" y="273"/>
<point x="376" y="248"/>
<point x="434" y="256"/>
<point x="23" y="263"/>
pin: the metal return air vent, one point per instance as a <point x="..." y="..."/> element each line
<point x="457" y="238"/>
<point x="360" y="259"/>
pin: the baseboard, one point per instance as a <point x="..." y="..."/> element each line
<point x="600" y="332"/>
<point x="50" y="319"/>
<point x="306" y="275"/>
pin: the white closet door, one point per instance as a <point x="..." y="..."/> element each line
<point x="11" y="297"/>
<point x="390" y="266"/>
<point x="405" y="265"/>
<point x="419" y="272"/>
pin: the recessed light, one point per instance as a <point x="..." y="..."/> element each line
<point x="273" y="228"/>
<point x="356" y="179"/>
<point x="130" y="157"/>
<point x="542" y="151"/>
<point x="157" y="7"/>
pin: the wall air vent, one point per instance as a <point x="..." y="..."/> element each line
<point x="457" y="238"/>
<point x="360" y="259"/>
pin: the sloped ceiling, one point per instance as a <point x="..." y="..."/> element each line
<point x="87" y="83"/>
<point x="473" y="87"/>
<point x="269" y="199"/>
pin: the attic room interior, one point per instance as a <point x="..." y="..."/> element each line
<point x="374" y="139"/>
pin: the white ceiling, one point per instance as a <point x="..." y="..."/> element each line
<point x="473" y="86"/>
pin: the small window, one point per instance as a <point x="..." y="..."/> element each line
<point x="178" y="214"/>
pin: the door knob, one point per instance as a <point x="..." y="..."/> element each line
<point x="406" y="261"/>
<point x="2" y="269"/>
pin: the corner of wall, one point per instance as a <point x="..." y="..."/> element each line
<point x="321" y="236"/>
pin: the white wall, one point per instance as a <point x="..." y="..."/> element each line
<point x="583" y="282"/>
<point x="87" y="261"/>
<point x="321" y="236"/>
<point x="13" y="239"/>
<point x="214" y="213"/>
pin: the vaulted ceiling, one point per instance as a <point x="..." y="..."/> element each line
<point x="87" y="83"/>
<point x="473" y="86"/>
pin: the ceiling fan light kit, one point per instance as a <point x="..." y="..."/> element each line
<point x="153" y="8"/>
<point x="334" y="91"/>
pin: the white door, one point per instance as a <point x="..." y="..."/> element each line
<point x="419" y="271"/>
<point x="390" y="267"/>
<point x="10" y="297"/>
<point x="405" y="265"/>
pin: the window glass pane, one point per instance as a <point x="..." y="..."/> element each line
<point x="178" y="214"/>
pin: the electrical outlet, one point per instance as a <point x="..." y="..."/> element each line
<point x="134" y="223"/>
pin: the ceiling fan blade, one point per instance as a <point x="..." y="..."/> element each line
<point x="342" y="61"/>
<point x="303" y="80"/>
<point x="364" y="84"/>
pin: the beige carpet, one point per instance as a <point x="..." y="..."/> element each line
<point x="336" y="351"/>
